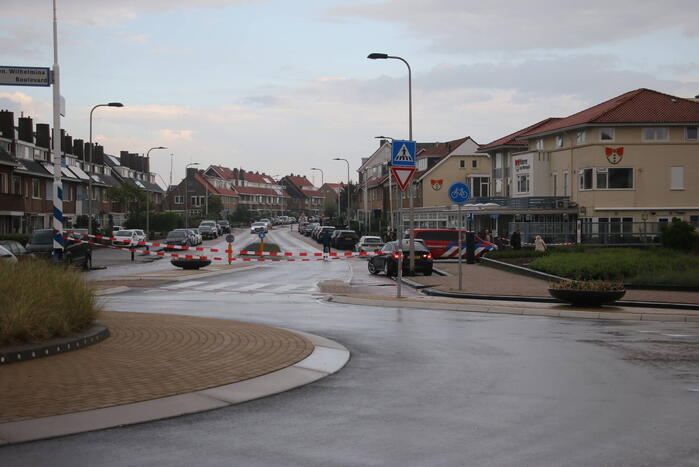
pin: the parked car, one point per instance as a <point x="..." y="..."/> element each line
<point x="198" y="237"/>
<point x="368" y="243"/>
<point x="214" y="227"/>
<point x="322" y="230"/>
<point x="344" y="239"/>
<point x="128" y="237"/>
<point x="190" y="234"/>
<point x="224" y="226"/>
<point x="207" y="231"/>
<point x="308" y="228"/>
<point x="387" y="259"/>
<point x="16" y="249"/>
<point x="177" y="237"/>
<point x="6" y="255"/>
<point x="258" y="227"/>
<point x="74" y="252"/>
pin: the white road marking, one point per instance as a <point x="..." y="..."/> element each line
<point x="219" y="285"/>
<point x="183" y="285"/>
<point x="287" y="287"/>
<point x="253" y="287"/>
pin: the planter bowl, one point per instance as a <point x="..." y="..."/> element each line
<point x="190" y="263"/>
<point x="591" y="298"/>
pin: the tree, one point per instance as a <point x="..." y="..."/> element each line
<point x="130" y="197"/>
<point x="215" y="206"/>
<point x="242" y="215"/>
<point x="330" y="208"/>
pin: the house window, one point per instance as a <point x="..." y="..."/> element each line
<point x="555" y="184"/>
<point x="691" y="133"/>
<point x="179" y="199"/>
<point x="694" y="220"/>
<point x="4" y="184"/>
<point x="479" y="186"/>
<point x="474" y="163"/>
<point x="36" y="188"/>
<point x="193" y="201"/>
<point x="585" y="179"/>
<point x="540" y="144"/>
<point x="580" y="137"/>
<point x="16" y="185"/>
<point x="522" y="183"/>
<point x="565" y="183"/>
<point x="655" y="134"/>
<point x="462" y="163"/>
<point x="606" y="134"/>
<point x="677" y="178"/>
<point x="559" y="141"/>
<point x="613" y="178"/>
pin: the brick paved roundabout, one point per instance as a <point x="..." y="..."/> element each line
<point x="148" y="356"/>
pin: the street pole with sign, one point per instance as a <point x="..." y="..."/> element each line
<point x="459" y="193"/>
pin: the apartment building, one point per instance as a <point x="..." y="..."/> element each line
<point x="304" y="197"/>
<point x="191" y="195"/>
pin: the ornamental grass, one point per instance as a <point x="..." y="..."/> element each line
<point x="40" y="300"/>
<point x="587" y="286"/>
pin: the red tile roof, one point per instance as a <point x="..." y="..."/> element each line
<point x="440" y="149"/>
<point x="213" y="189"/>
<point x="513" y="138"/>
<point x="224" y="172"/>
<point x="299" y="181"/>
<point x="262" y="178"/>
<point x="639" y="106"/>
<point x="251" y="190"/>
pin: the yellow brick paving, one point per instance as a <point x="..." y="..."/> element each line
<point x="148" y="356"/>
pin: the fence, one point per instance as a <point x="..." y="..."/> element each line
<point x="591" y="233"/>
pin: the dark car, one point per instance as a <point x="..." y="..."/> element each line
<point x="320" y="231"/>
<point x="207" y="231"/>
<point x="16" y="249"/>
<point x="224" y="226"/>
<point x="74" y="252"/>
<point x="178" y="237"/>
<point x="387" y="259"/>
<point x="344" y="239"/>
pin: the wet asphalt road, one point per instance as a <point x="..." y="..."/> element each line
<point x="423" y="387"/>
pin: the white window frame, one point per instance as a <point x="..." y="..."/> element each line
<point x="580" y="137"/>
<point x="539" y="144"/>
<point x="611" y="132"/>
<point x="581" y="179"/>
<point x="654" y="138"/>
<point x="677" y="178"/>
<point x="554" y="180"/>
<point x="523" y="181"/>
<point x="179" y="199"/>
<point x="36" y="188"/>
<point x="559" y="141"/>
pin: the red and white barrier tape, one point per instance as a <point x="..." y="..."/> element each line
<point x="346" y="254"/>
<point x="211" y="258"/>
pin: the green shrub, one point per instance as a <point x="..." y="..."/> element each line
<point x="271" y="247"/>
<point x="679" y="235"/>
<point x="506" y="254"/>
<point x="592" y="286"/>
<point x="623" y="264"/>
<point x="62" y="305"/>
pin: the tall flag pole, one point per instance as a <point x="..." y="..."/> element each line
<point x="57" y="185"/>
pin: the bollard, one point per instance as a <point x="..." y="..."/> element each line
<point x="470" y="248"/>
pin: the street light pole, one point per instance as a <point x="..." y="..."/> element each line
<point x="322" y="182"/>
<point x="89" y="183"/>
<point x="381" y="56"/>
<point x="147" y="191"/>
<point x="186" y="193"/>
<point x="348" y="187"/>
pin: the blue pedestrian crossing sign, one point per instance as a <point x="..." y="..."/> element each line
<point x="403" y="153"/>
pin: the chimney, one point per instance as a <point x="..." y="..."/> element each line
<point x="7" y="124"/>
<point x="43" y="135"/>
<point x="98" y="154"/>
<point x="67" y="145"/>
<point x="190" y="172"/>
<point x="382" y="142"/>
<point x="26" y="129"/>
<point x="79" y="149"/>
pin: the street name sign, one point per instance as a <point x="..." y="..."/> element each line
<point x="459" y="193"/>
<point x="403" y="175"/>
<point x="403" y="153"/>
<point x="25" y="76"/>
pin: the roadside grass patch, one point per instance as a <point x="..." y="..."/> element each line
<point x="656" y="266"/>
<point x="40" y="300"/>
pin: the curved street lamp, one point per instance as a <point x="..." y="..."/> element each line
<point x="89" y="182"/>
<point x="382" y="56"/>
<point x="147" y="191"/>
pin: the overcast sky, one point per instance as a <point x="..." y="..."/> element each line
<point x="282" y="86"/>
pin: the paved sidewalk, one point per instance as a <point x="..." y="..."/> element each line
<point x="147" y="356"/>
<point x="481" y="279"/>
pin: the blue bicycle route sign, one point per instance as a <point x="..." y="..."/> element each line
<point x="459" y="193"/>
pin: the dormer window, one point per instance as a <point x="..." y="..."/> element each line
<point x="606" y="134"/>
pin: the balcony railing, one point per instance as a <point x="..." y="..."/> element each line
<point x="529" y="202"/>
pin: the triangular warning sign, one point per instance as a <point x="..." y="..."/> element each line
<point x="403" y="155"/>
<point x="402" y="175"/>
